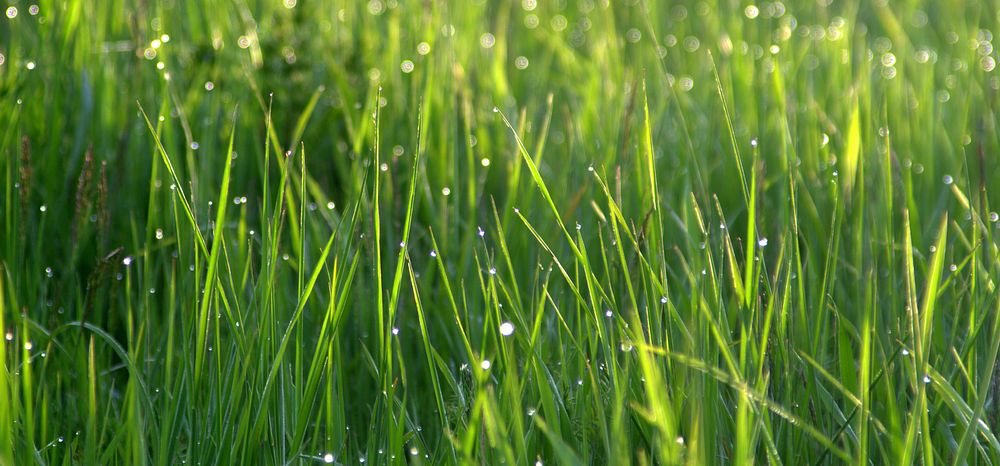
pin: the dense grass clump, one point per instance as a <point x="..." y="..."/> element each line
<point x="484" y="232"/>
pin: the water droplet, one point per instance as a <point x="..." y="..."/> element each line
<point x="195" y="145"/>
<point x="446" y="191"/>
<point x="127" y="261"/>
<point x="434" y="253"/>
<point x="608" y="313"/>
<point x="12" y="12"/>
<point x="762" y="242"/>
<point x="481" y="232"/>
<point x="406" y="66"/>
<point x="663" y="300"/>
<point x="633" y="35"/>
<point x="413" y="450"/>
<point x="328" y="458"/>
<point x="751" y="11"/>
<point x="395" y="330"/>
<point x="521" y="62"/>
<point x="927" y="379"/>
<point x="493" y="270"/>
<point x="486" y="364"/>
<point x="485" y="162"/>
<point x="686" y="83"/>
<point x="922" y="56"/>
<point x="487" y="40"/>
<point x="48" y="272"/>
<point x="43" y="208"/>
<point x="531" y="411"/>
<point x="691" y="43"/>
<point x="506" y="329"/>
<point x="423" y="48"/>
<point x="948" y="179"/>
<point x="159" y="233"/>
<point x="28" y="345"/>
<point x="753" y="142"/>
<point x="988" y="63"/>
<point x="9" y="336"/>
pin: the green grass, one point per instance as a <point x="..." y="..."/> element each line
<point x="262" y="232"/>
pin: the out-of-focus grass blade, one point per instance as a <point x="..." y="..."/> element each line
<point x="852" y="149"/>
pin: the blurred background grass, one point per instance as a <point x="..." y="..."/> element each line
<point x="831" y="139"/>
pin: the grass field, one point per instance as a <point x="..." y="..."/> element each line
<point x="299" y="232"/>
